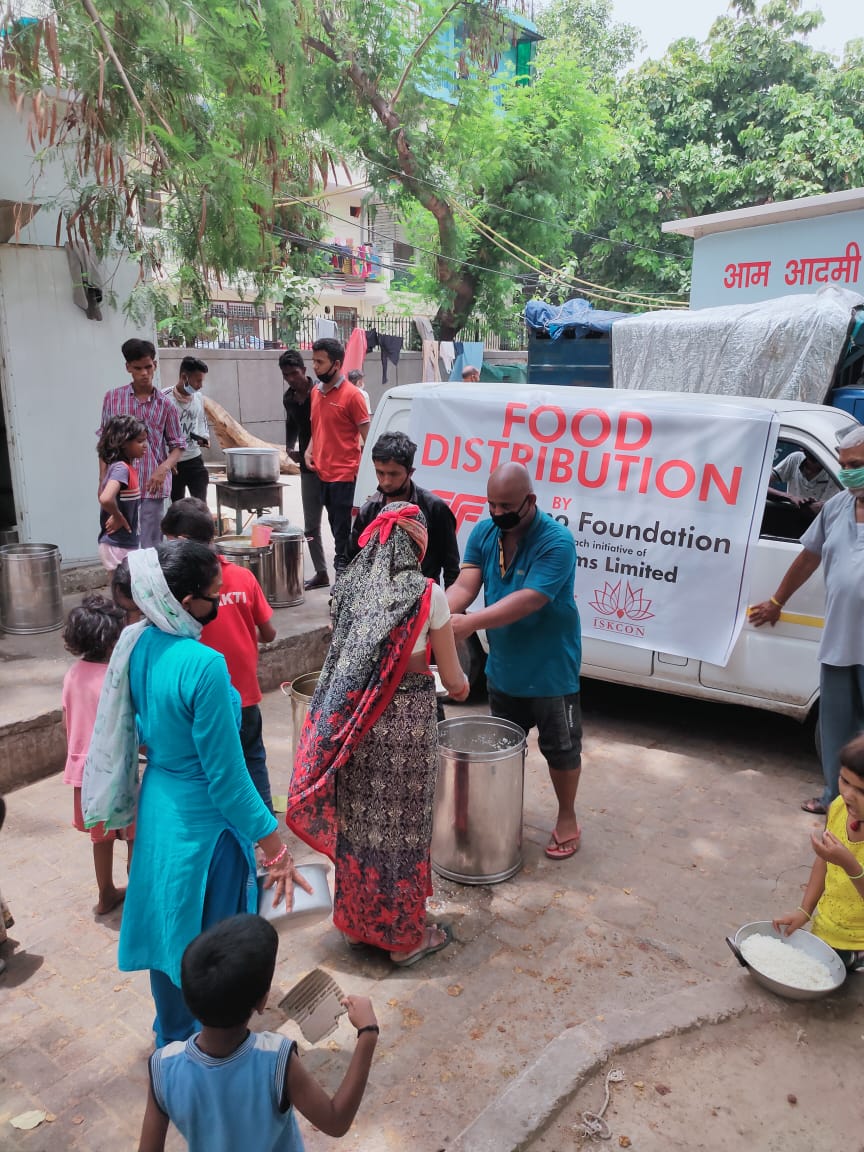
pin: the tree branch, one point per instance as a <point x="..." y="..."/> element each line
<point x="421" y="48"/>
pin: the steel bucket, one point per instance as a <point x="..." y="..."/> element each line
<point x="31" y="599"/>
<point x="477" y="815"/>
<point x="286" y="587"/>
<point x="259" y="560"/>
<point x="301" y="690"/>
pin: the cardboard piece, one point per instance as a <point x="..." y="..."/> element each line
<point x="314" y="1003"/>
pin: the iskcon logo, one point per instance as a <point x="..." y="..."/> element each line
<point x="621" y="611"/>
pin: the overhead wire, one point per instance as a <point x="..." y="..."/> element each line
<point x="496" y="238"/>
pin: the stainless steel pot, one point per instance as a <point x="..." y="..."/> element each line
<point x="252" y="465"/>
<point x="805" y="942"/>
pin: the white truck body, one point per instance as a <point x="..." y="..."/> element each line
<point x="772" y="668"/>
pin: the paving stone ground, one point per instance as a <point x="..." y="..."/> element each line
<point x="691" y="828"/>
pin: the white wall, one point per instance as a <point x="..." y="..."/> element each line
<point x="57" y="366"/>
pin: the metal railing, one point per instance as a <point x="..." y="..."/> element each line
<point x="262" y="327"/>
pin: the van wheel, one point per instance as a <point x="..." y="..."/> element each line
<point x="473" y="661"/>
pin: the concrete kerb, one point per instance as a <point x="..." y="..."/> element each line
<point x="536" y="1097"/>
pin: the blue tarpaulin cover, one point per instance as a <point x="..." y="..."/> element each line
<point x="575" y="318"/>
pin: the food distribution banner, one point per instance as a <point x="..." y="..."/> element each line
<point x="663" y="498"/>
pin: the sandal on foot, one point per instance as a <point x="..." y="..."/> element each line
<point x="563" y="849"/>
<point x="354" y="944"/>
<point x="422" y="952"/>
<point x="814" y="806"/>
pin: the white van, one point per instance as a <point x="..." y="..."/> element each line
<point x="772" y="668"/>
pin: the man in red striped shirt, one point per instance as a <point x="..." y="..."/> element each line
<point x="165" y="440"/>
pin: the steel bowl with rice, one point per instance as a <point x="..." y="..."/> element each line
<point x="792" y="976"/>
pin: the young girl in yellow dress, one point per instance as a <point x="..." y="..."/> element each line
<point x="834" y="897"/>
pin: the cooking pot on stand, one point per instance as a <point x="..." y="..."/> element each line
<point x="252" y="465"/>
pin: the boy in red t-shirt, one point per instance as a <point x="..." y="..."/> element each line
<point x="243" y="620"/>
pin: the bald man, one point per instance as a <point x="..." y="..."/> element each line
<point x="525" y="562"/>
<point x="470" y="374"/>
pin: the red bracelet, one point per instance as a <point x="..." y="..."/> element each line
<point x="279" y="856"/>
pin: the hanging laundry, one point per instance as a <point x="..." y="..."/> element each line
<point x="355" y="351"/>
<point x="469" y="354"/>
<point x="391" y="349"/>
<point x="371" y="340"/>
<point x="430" y="361"/>
<point x="447" y="352"/>
<point x="424" y="327"/>
<point x="325" y="327"/>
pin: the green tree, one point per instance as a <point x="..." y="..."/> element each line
<point x="236" y="113"/>
<point x="751" y="115"/>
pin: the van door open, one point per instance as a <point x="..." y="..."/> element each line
<point x="779" y="663"/>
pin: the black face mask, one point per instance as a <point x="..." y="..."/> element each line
<point x="400" y="494"/>
<point x="214" y="610"/>
<point x="326" y="377"/>
<point x="507" y="521"/>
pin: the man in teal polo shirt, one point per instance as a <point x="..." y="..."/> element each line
<point x="525" y="562"/>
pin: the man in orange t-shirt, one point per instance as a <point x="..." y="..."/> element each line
<point x="340" y="422"/>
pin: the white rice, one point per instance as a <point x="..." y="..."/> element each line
<point x="787" y="965"/>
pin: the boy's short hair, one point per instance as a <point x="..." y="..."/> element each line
<point x="292" y="359"/>
<point x="355" y="376"/>
<point x="137" y="350"/>
<point x="193" y="364"/>
<point x="228" y="969"/>
<point x="335" y="349"/>
<point x="852" y="756"/>
<point x="191" y="518"/>
<point x="395" y="446"/>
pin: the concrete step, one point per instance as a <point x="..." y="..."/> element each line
<point x="32" y="736"/>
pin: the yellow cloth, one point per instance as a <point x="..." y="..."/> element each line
<point x="839" y="916"/>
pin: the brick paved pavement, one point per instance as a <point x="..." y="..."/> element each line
<point x="691" y="828"/>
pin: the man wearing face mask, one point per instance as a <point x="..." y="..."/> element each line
<point x="190" y="471"/>
<point x="393" y="458"/>
<point x="340" y="422"/>
<point x="525" y="562"/>
<point x="834" y="540"/>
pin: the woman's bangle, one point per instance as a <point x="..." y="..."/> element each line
<point x="858" y="876"/>
<point x="809" y="915"/>
<point x="368" y="1028"/>
<point x="276" y="859"/>
<point x="773" y="600"/>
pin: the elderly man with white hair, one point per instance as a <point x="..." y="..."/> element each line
<point x="835" y="540"/>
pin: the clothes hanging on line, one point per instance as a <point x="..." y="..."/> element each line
<point x="469" y="354"/>
<point x="430" y="361"/>
<point x="447" y="352"/>
<point x="355" y="351"/>
<point x="391" y="349"/>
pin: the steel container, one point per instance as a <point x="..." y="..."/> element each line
<point x="805" y="942"/>
<point x="477" y="814"/>
<point x="258" y="559"/>
<point x="286" y="588"/>
<point x="252" y="465"/>
<point x="300" y="690"/>
<point x="31" y="599"/>
<point x="306" y="906"/>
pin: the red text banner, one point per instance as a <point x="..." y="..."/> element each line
<point x="663" y="498"/>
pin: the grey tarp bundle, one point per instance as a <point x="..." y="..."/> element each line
<point x="783" y="349"/>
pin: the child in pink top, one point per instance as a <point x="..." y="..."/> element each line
<point x="91" y="632"/>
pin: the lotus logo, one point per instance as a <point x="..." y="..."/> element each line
<point x="466" y="508"/>
<point x="631" y="604"/>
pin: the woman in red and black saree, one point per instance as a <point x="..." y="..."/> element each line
<point x="367" y="759"/>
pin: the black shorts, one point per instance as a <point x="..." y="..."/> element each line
<point x="558" y="720"/>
